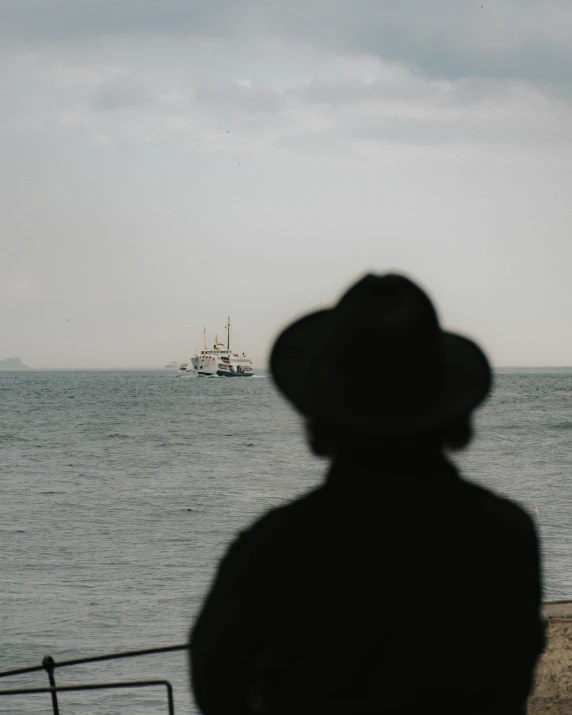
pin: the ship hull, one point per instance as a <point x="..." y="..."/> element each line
<point x="224" y="373"/>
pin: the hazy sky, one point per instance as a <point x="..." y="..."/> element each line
<point x="433" y="138"/>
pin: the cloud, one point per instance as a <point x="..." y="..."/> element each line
<point x="74" y="76"/>
<point x="100" y="139"/>
<point x="397" y="83"/>
<point x="339" y="101"/>
<point x="132" y="81"/>
<point x="398" y="105"/>
<point x="58" y="20"/>
<point x="517" y="39"/>
<point x="121" y="93"/>
<point x="236" y="94"/>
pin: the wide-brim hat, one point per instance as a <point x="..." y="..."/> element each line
<point x="378" y="360"/>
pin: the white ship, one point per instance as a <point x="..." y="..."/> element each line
<point x="221" y="360"/>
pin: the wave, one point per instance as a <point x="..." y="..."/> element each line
<point x="7" y="438"/>
<point x="561" y="426"/>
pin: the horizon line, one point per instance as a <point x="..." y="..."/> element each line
<point x="153" y="368"/>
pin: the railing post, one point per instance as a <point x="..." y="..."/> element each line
<point x="170" y="700"/>
<point x="49" y="665"/>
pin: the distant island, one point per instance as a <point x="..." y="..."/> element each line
<point x="13" y="364"/>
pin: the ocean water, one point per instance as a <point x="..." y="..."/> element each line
<point x="119" y="492"/>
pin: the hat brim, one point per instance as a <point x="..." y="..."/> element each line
<point x="466" y="380"/>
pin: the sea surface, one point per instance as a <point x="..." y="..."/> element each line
<point x="119" y="492"/>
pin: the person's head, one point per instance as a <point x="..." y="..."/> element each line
<point x="377" y="370"/>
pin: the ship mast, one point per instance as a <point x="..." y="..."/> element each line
<point x="228" y="334"/>
<point x="205" y="339"/>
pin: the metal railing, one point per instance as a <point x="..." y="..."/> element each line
<point x="50" y="665"/>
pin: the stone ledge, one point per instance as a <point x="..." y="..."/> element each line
<point x="552" y="693"/>
<point x="558" y="609"/>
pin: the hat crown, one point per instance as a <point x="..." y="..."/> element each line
<point x="392" y="323"/>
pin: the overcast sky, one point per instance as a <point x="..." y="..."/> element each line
<point x="166" y="164"/>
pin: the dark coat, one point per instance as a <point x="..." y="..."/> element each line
<point x="393" y="588"/>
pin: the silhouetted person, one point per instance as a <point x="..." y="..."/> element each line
<point x="396" y="587"/>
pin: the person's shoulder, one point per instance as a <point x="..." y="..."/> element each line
<point x="285" y="516"/>
<point x="497" y="507"/>
<point x="279" y="527"/>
